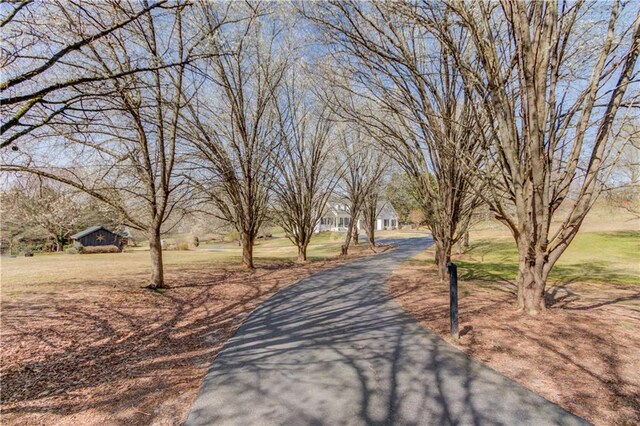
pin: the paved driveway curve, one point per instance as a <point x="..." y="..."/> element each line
<point x="334" y="349"/>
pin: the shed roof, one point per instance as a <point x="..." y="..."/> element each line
<point x="89" y="231"/>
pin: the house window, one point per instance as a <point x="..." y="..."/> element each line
<point x="386" y="223"/>
<point x="393" y="223"/>
<point x="343" y="222"/>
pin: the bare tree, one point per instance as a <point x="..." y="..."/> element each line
<point x="233" y="121"/>
<point x="122" y="148"/>
<point x="372" y="206"/>
<point x="306" y="174"/>
<point x="362" y="168"/>
<point x="549" y="78"/>
<point x="400" y="85"/>
<point x="40" y="41"/>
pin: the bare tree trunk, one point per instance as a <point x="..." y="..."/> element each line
<point x="371" y="239"/>
<point x="302" y="252"/>
<point x="443" y="256"/>
<point x="532" y="277"/>
<point x="247" y="250"/>
<point x="531" y="286"/>
<point x="369" y="215"/>
<point x="354" y="234"/>
<point x="347" y="240"/>
<point x="155" y="249"/>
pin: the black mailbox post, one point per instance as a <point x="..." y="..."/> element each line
<point x="453" y="298"/>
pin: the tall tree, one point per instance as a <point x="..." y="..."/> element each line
<point x="362" y="169"/>
<point x="306" y="172"/>
<point x="233" y="120"/>
<point x="400" y="84"/>
<point x="371" y="208"/>
<point x="121" y="145"/>
<point x="549" y="79"/>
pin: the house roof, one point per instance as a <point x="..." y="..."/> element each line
<point x="336" y="211"/>
<point x="90" y="230"/>
<point x="384" y="208"/>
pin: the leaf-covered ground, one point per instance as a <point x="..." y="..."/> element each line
<point x="583" y="353"/>
<point x="106" y="351"/>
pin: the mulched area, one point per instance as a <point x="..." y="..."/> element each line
<point x="112" y="352"/>
<point x="583" y="353"/>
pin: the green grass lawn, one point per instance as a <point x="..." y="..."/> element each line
<point x="601" y="257"/>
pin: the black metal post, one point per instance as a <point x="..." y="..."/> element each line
<point x="453" y="298"/>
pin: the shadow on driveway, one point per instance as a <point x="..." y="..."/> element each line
<point x="334" y="349"/>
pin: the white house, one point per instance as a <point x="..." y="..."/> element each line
<point x="337" y="217"/>
<point x="387" y="217"/>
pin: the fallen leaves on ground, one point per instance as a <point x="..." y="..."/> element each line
<point x="583" y="353"/>
<point x="112" y="352"/>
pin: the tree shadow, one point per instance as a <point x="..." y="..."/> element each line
<point x="599" y="272"/>
<point x="335" y="349"/>
<point x="332" y="349"/>
<point x="562" y="296"/>
<point x="580" y="351"/>
<point x="111" y="351"/>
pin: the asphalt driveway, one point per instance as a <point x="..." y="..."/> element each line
<point x="334" y="349"/>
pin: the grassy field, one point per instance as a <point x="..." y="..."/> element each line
<point x="606" y="250"/>
<point x="23" y="273"/>
<point x="602" y="257"/>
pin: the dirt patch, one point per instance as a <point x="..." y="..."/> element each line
<point x="583" y="353"/>
<point x="109" y="351"/>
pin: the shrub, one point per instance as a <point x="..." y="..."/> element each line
<point x="183" y="246"/>
<point x="232" y="236"/>
<point x="190" y="239"/>
<point x="100" y="249"/>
